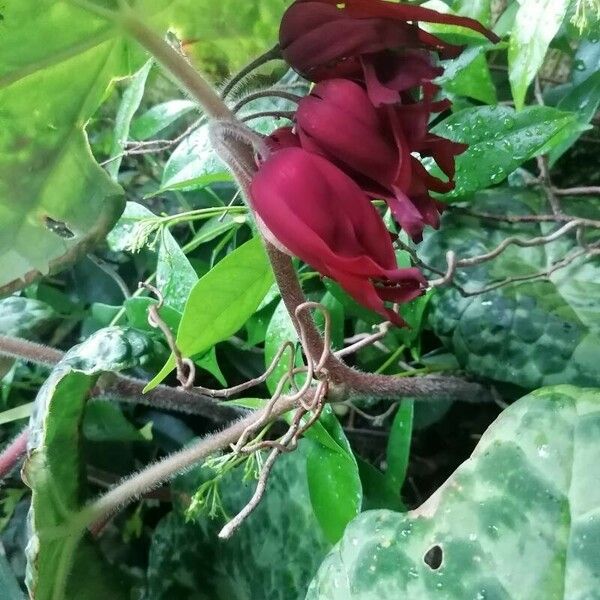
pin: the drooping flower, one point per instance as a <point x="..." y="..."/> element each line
<point x="317" y="213"/>
<point x="375" y="147"/>
<point x="376" y="41"/>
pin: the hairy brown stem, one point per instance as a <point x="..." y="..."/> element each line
<point x="10" y="456"/>
<point x="123" y="388"/>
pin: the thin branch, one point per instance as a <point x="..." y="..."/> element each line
<point x="269" y="93"/>
<point x="528" y="218"/>
<point x="12" y="454"/>
<point x="154" y="475"/>
<point x="365" y="340"/>
<point x="589" y="190"/>
<point x="544" y="169"/>
<point x="273" y="54"/>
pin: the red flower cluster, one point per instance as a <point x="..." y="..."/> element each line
<point x="358" y="136"/>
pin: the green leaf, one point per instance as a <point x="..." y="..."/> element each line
<point x="481" y="10"/>
<point x="333" y="479"/>
<point x="55" y="201"/>
<point x="582" y="99"/>
<point x="280" y="330"/>
<point x="221" y="302"/>
<point x="105" y="422"/>
<point x="130" y="102"/>
<point x="9" y="587"/>
<point x="378" y="491"/>
<point x="193" y="164"/>
<point x="159" y="117"/>
<point x="536" y="24"/>
<point x="62" y="563"/>
<point x="500" y="140"/>
<point x="273" y="555"/>
<point x="530" y="333"/>
<point x="469" y="75"/>
<point x="518" y="520"/>
<point x="175" y="276"/>
<point x="398" y="446"/>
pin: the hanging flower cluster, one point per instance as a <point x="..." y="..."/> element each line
<point x="357" y="137"/>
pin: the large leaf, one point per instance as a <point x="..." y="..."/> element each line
<point x="273" y="555"/>
<point x="221" y="302"/>
<point x="500" y="140"/>
<point x="62" y="563"/>
<point x="517" y="521"/>
<point x="57" y="62"/>
<point x="536" y="23"/>
<point x="532" y="333"/>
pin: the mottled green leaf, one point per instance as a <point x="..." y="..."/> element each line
<point x="58" y="554"/>
<point x="221" y="301"/>
<point x="530" y="333"/>
<point x="536" y="23"/>
<point x="517" y="521"/>
<point x="273" y="555"/>
<point x="500" y="140"/>
<point x="25" y="317"/>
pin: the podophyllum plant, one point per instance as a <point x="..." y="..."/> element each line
<point x="374" y="159"/>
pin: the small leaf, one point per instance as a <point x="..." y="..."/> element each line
<point x="160" y="117"/>
<point x="175" y="276"/>
<point x="398" y="446"/>
<point x="536" y="24"/>
<point x="193" y="164"/>
<point x="221" y="302"/>
<point x="517" y="520"/>
<point x="500" y="140"/>
<point x="130" y="102"/>
<point x="280" y="330"/>
<point x="333" y="478"/>
<point x="583" y="99"/>
<point x="105" y="422"/>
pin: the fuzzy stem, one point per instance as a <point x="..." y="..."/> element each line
<point x="176" y="65"/>
<point x="268" y="56"/>
<point x="11" y="455"/>
<point x="156" y="474"/>
<point x="355" y="384"/>
<point x="123" y="388"/>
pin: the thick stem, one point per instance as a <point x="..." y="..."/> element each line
<point x="122" y="388"/>
<point x="10" y="456"/>
<point x="156" y="474"/>
<point x="176" y="65"/>
<point x="353" y="383"/>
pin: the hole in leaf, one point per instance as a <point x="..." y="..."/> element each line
<point x="433" y="557"/>
<point x="58" y="227"/>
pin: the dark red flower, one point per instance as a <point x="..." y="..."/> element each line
<point x="317" y="213"/>
<point x="375" y="147"/>
<point x="376" y="41"/>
